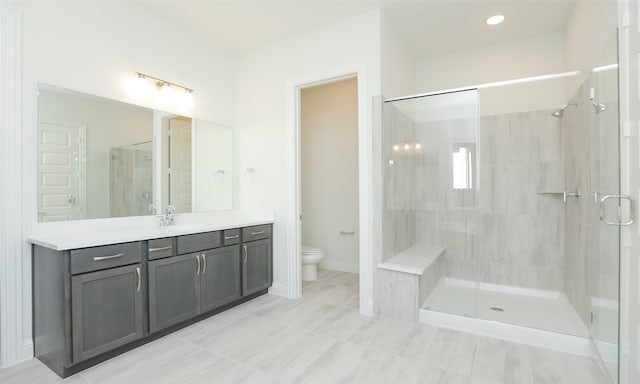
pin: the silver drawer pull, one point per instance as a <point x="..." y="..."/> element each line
<point x="99" y="258"/>
<point x="160" y="248"/>
<point x="257" y="233"/>
<point x="232" y="237"/>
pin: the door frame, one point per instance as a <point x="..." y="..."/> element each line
<point x="365" y="188"/>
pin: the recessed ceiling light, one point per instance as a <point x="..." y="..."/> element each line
<point x="497" y="19"/>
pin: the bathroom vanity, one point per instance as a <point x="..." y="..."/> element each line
<point x="101" y="293"/>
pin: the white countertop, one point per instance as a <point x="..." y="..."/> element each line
<point x="68" y="235"/>
<point x="415" y="259"/>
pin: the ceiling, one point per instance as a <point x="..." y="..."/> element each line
<point x="427" y="27"/>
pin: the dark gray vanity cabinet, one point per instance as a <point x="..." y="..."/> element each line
<point x="107" y="310"/>
<point x="257" y="273"/>
<point x="86" y="302"/>
<point x="220" y="278"/>
<point x="184" y="286"/>
<point x="93" y="303"/>
<point x="174" y="290"/>
<point x="106" y="298"/>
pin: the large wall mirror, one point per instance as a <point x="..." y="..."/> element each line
<point x="100" y="158"/>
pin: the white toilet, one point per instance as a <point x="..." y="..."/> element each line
<point x="311" y="256"/>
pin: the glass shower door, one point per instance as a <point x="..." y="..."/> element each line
<point x="609" y="210"/>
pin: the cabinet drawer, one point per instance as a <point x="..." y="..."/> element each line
<point x="198" y="242"/>
<point x="231" y="236"/>
<point x="256" y="232"/>
<point x="107" y="256"/>
<point x="159" y="248"/>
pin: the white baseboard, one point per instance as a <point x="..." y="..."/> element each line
<point x="27" y="350"/>
<point x="339" y="266"/>
<point x="278" y="289"/>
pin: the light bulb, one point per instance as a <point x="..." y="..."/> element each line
<point x="495" y="20"/>
<point x="184" y="100"/>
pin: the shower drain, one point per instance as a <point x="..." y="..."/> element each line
<point x="497" y="309"/>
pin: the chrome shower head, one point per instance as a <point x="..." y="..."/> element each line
<point x="559" y="113"/>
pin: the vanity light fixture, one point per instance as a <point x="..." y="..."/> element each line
<point x="165" y="91"/>
<point x="495" y="20"/>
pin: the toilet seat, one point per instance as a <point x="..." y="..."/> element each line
<point x="308" y="250"/>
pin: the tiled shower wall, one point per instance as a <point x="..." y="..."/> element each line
<point x="514" y="232"/>
<point x="399" y="165"/>
<point x="520" y="229"/>
<point x="591" y="250"/>
<point x="131" y="182"/>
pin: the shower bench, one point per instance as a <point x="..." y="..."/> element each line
<point x="404" y="281"/>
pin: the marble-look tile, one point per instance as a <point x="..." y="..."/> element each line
<point x="452" y="351"/>
<point x="384" y="335"/>
<point x="34" y="372"/>
<point x="223" y="371"/>
<point x="245" y="327"/>
<point x="396" y="295"/>
<point x="305" y="315"/>
<point x="343" y="324"/>
<point x="151" y="363"/>
<point x="338" y="364"/>
<point x="500" y="361"/>
<point x="552" y="367"/>
<point x="418" y="341"/>
<point x="345" y="279"/>
<point x="329" y="293"/>
<point x="268" y="307"/>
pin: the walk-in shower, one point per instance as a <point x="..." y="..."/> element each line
<point x="503" y="196"/>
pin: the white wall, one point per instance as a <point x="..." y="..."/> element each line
<point x="266" y="137"/>
<point x="95" y="47"/>
<point x="329" y="172"/>
<point x="212" y="166"/>
<point x="537" y="56"/>
<point x="398" y="66"/>
<point x="591" y="27"/>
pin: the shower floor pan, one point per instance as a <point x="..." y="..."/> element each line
<point x="535" y="317"/>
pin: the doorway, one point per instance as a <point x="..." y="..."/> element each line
<point x="328" y="185"/>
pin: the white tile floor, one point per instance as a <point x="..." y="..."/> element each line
<point x="322" y="338"/>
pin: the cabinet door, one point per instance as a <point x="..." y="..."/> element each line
<point x="106" y="310"/>
<point x="256" y="266"/>
<point x="174" y="290"/>
<point x="220" y="280"/>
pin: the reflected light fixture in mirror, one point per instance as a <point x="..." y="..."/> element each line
<point x="163" y="91"/>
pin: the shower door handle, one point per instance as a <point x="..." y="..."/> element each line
<point x="618" y="210"/>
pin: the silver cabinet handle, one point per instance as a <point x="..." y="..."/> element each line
<point x="351" y="233"/>
<point x="244" y="248"/>
<point x="257" y="233"/>
<point x="620" y="223"/>
<point x="232" y="237"/>
<point x="99" y="258"/>
<point x="198" y="270"/>
<point x="204" y="263"/>
<point x="160" y="248"/>
<point x="139" y="279"/>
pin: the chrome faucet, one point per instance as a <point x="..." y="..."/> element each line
<point x="167" y="219"/>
